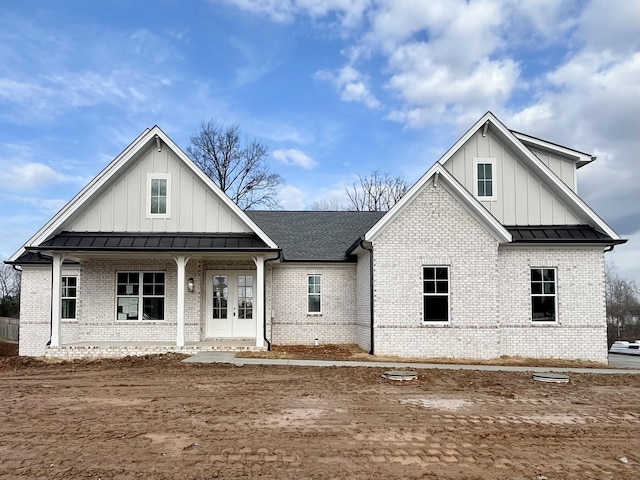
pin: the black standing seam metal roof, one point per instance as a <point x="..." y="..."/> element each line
<point x="97" y="241"/>
<point x="561" y="234"/>
<point x="314" y="235"/>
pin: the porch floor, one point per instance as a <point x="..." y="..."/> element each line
<point x="123" y="349"/>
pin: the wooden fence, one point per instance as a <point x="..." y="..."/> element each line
<point x="9" y="328"/>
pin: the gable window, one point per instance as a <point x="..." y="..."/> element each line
<point x="314" y="293"/>
<point x="158" y="195"/>
<point x="140" y="296"/>
<point x="484" y="178"/>
<point x="435" y="293"/>
<point x="543" y="295"/>
<point x="69" y="297"/>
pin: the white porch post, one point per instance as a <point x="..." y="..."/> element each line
<point x="259" y="296"/>
<point x="56" y="290"/>
<point x="181" y="262"/>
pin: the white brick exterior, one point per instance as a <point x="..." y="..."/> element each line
<point x="363" y="298"/>
<point x="290" y="322"/>
<point x="490" y="304"/>
<point x="35" y="310"/>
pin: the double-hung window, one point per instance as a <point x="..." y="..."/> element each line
<point x="314" y="294"/>
<point x="484" y="178"/>
<point x="543" y="295"/>
<point x="140" y="296"/>
<point x="435" y="293"/>
<point x="158" y="195"/>
<point x="69" y="297"/>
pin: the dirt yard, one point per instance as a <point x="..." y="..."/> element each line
<point x="157" y="418"/>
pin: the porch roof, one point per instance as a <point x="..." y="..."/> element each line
<point x="139" y="242"/>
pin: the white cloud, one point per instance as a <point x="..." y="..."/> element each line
<point x="29" y="176"/>
<point x="352" y="85"/>
<point x="291" y="198"/>
<point x="293" y="156"/>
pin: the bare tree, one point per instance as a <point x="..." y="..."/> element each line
<point x="377" y="192"/>
<point x="241" y="171"/>
<point x="621" y="298"/>
<point x="9" y="291"/>
<point x="328" y="206"/>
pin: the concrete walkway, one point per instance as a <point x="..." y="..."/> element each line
<point x="229" y="357"/>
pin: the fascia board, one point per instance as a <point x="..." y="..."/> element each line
<point x="577" y="156"/>
<point x="473" y="206"/>
<point x="81" y="197"/>
<point x="553" y="179"/>
<point x="223" y="196"/>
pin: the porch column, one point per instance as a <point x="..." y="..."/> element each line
<point x="259" y="303"/>
<point x="56" y="290"/>
<point x="181" y="262"/>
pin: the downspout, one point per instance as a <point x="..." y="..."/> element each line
<point x="264" y="300"/>
<point x="369" y="247"/>
<point x="609" y="248"/>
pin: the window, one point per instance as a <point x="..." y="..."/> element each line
<point x="314" y="293"/>
<point x="543" y="295"/>
<point x="135" y="303"/>
<point x="159" y="195"/>
<point x="245" y="296"/>
<point x="435" y="294"/>
<point x="484" y="178"/>
<point x="69" y="296"/>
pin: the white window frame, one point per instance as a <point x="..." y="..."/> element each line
<point x="140" y="296"/>
<point x="64" y="297"/>
<point x="554" y="295"/>
<point x="319" y="294"/>
<point x="494" y="178"/>
<point x="436" y="294"/>
<point x="158" y="176"/>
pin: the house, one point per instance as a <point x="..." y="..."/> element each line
<point x="492" y="252"/>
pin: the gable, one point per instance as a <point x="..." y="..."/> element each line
<point x="115" y="198"/>
<point x="122" y="204"/>
<point x="522" y="197"/>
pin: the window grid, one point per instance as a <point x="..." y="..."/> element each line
<point x="485" y="180"/>
<point x="435" y="293"/>
<point x="543" y="294"/>
<point x="158" y="196"/>
<point x="314" y="294"/>
<point x="68" y="296"/>
<point x="134" y="303"/>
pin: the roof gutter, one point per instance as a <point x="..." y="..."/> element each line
<point x="264" y="299"/>
<point x="366" y="245"/>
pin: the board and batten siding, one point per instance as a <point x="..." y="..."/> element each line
<point x="522" y="198"/>
<point x="565" y="169"/>
<point x="121" y="207"/>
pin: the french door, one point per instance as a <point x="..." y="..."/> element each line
<point x="230" y="310"/>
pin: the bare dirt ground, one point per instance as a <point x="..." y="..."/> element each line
<point x="158" y="418"/>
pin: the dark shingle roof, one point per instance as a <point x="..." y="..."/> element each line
<point x="314" y="236"/>
<point x="561" y="234"/>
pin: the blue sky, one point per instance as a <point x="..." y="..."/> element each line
<point x="335" y="89"/>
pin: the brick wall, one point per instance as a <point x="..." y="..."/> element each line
<point x="581" y="329"/>
<point x="435" y="229"/>
<point x="291" y="324"/>
<point x="35" y="310"/>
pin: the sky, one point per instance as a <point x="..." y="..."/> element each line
<point x="334" y="88"/>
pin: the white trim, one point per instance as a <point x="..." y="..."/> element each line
<point x="146" y="138"/>
<point x="494" y="178"/>
<point x="158" y="176"/>
<point x="472" y="204"/>
<point x="435" y="294"/>
<point x="63" y="298"/>
<point x="580" y="158"/>
<point x="555" y="295"/>
<point x="309" y="275"/>
<point x="141" y="296"/>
